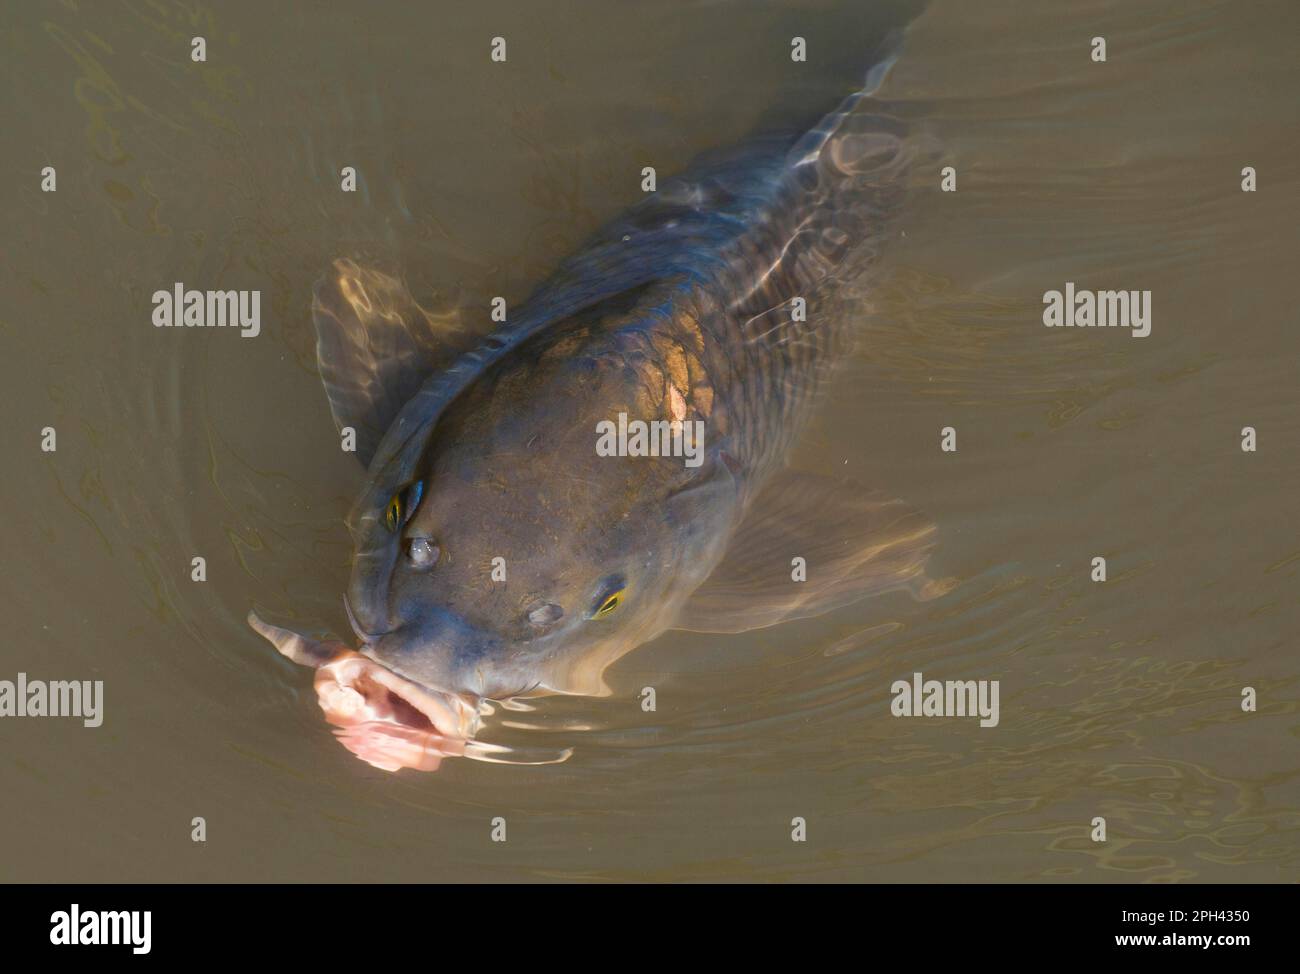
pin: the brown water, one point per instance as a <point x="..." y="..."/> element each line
<point x="1118" y="699"/>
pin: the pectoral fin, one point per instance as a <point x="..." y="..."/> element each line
<point x="854" y="542"/>
<point x="375" y="346"/>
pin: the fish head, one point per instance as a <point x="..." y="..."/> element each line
<point x="512" y="555"/>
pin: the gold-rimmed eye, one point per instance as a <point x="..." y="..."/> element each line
<point x="608" y="604"/>
<point x="402" y="505"/>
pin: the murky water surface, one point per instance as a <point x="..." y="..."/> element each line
<point x="1119" y="700"/>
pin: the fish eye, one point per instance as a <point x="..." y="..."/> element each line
<point x="608" y="604"/>
<point x="402" y="505"/>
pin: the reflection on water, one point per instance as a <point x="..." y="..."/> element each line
<point x="1119" y="700"/>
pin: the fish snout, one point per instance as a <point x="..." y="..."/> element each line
<point x="442" y="651"/>
<point x="366" y="632"/>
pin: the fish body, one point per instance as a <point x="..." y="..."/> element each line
<point x="498" y="552"/>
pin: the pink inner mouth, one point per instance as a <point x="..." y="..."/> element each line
<point x="388" y="721"/>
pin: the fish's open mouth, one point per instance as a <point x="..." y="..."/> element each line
<point x="387" y="720"/>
